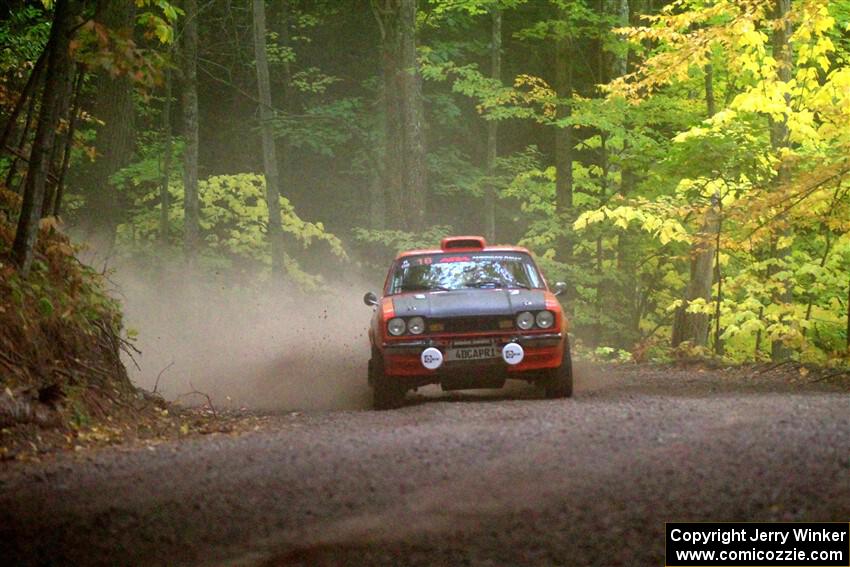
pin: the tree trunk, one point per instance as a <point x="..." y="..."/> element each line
<point x="693" y="327"/>
<point x="602" y="70"/>
<point x="56" y="205"/>
<point x="30" y="89"/>
<point x="718" y="277"/>
<point x="22" y="140"/>
<point x="563" y="151"/>
<point x="387" y="14"/>
<point x="269" y="152"/>
<point x="620" y="9"/>
<point x="757" y="349"/>
<point x="58" y="68"/>
<point x="415" y="173"/>
<point x="288" y="103"/>
<point x="710" y="107"/>
<point x="597" y="327"/>
<point x="628" y="293"/>
<point x="493" y="127"/>
<point x="191" y="205"/>
<point x="847" y="336"/>
<point x="812" y="295"/>
<point x="377" y="204"/>
<point x="57" y="153"/>
<point x="779" y="139"/>
<point x="114" y="139"/>
<point x="564" y="137"/>
<point x="164" y="196"/>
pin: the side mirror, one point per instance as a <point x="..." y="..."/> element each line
<point x="559" y="288"/>
<point x="370" y="299"/>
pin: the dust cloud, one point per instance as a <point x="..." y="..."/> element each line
<point x="264" y="347"/>
<point x="589" y="377"/>
<point x="246" y="346"/>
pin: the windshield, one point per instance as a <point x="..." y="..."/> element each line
<point x="446" y="272"/>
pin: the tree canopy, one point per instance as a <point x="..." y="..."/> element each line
<point x="682" y="165"/>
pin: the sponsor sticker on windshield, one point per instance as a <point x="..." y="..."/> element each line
<point x="456" y="258"/>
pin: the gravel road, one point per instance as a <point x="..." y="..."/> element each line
<point x="451" y="480"/>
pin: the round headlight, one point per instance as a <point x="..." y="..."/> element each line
<point x="525" y="320"/>
<point x="396" y="326"/>
<point x="416" y="325"/>
<point x="545" y="319"/>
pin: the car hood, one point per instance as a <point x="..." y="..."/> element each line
<point x="468" y="303"/>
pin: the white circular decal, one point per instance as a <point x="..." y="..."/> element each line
<point x="431" y="358"/>
<point x="512" y="353"/>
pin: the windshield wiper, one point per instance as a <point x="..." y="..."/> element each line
<point x="485" y="283"/>
<point x="495" y="284"/>
<point x="420" y="287"/>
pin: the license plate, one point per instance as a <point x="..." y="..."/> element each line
<point x="472" y="353"/>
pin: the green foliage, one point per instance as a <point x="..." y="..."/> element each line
<point x="233" y="223"/>
<point x="779" y="236"/>
<point x="158" y="18"/>
<point x="323" y="128"/>
<point x="398" y="240"/>
<point x="471" y="7"/>
<point x="651" y="170"/>
<point x="23" y="36"/>
<point x="608" y="354"/>
<point x="59" y="293"/>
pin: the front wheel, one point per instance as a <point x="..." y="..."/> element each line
<point x="387" y="393"/>
<point x="559" y="383"/>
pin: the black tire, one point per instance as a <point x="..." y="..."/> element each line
<point x="387" y="393"/>
<point x="559" y="383"/>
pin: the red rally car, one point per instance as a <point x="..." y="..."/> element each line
<point x="467" y="316"/>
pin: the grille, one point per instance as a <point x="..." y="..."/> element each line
<point x="469" y="324"/>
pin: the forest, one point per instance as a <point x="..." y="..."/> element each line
<point x="682" y="165"/>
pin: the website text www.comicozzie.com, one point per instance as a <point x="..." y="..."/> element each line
<point x="812" y="544"/>
<point x="754" y="554"/>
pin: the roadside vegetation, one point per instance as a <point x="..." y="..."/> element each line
<point x="683" y="165"/>
<point x="60" y="335"/>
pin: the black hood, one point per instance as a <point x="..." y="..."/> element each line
<point x="468" y="303"/>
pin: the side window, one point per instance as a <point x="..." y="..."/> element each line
<point x="517" y="271"/>
<point x="395" y="279"/>
<point x="532" y="275"/>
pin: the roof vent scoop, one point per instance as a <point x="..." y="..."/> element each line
<point x="463" y="243"/>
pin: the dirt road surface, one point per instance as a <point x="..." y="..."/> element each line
<point x="493" y="480"/>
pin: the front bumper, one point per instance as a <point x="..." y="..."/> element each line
<point x="542" y="351"/>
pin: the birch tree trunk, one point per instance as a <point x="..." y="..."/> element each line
<point x="275" y="234"/>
